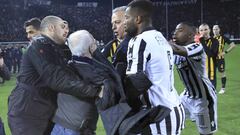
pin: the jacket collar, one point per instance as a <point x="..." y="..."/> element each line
<point x="82" y="59"/>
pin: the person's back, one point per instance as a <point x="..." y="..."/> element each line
<point x="30" y="86"/>
<point x="159" y="66"/>
<point x="150" y="53"/>
<point x="76" y="114"/>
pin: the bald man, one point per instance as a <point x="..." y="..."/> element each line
<point x="42" y="75"/>
<point x="210" y="46"/>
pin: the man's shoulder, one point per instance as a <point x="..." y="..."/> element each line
<point x="152" y="35"/>
<point x="39" y="42"/>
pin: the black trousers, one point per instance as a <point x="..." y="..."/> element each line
<point x="2" y="131"/>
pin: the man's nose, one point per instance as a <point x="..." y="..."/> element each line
<point x="29" y="36"/>
<point x="113" y="27"/>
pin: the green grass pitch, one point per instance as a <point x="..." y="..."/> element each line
<point x="228" y="103"/>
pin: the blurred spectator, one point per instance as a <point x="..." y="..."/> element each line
<point x="4" y="72"/>
<point x="97" y="19"/>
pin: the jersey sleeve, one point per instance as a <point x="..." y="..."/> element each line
<point x="137" y="56"/>
<point x="193" y="49"/>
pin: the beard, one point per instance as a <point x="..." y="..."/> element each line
<point x="132" y="31"/>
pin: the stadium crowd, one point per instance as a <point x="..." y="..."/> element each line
<point x="14" y="15"/>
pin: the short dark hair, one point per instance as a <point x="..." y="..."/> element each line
<point x="190" y="25"/>
<point x="144" y="7"/>
<point x="35" y="22"/>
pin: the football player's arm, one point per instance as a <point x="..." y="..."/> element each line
<point x="231" y="46"/>
<point x="177" y="49"/>
<point x="188" y="50"/>
<point x="57" y="77"/>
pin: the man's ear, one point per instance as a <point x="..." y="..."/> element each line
<point x="138" y="19"/>
<point x="51" y="28"/>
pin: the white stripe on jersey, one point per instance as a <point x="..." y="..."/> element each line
<point x="171" y="125"/>
<point x="192" y="71"/>
<point x="151" y="53"/>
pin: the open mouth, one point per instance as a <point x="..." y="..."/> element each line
<point x="115" y="33"/>
<point x="65" y="35"/>
<point x="174" y="38"/>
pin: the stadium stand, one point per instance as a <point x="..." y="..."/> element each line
<point x="95" y="15"/>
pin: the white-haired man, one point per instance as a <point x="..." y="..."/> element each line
<point x="70" y="117"/>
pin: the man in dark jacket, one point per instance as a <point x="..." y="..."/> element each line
<point x="116" y="49"/>
<point x="43" y="73"/>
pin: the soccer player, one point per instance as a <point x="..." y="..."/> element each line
<point x="220" y="60"/>
<point x="32" y="27"/>
<point x="199" y="97"/>
<point x="149" y="52"/>
<point x="210" y="46"/>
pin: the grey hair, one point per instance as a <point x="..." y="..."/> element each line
<point x="117" y="9"/>
<point x="46" y="21"/>
<point x="80" y="42"/>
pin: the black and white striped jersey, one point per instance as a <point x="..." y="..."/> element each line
<point x="151" y="53"/>
<point x="192" y="71"/>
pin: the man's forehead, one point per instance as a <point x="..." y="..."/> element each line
<point x="215" y="27"/>
<point x="30" y="28"/>
<point x="204" y="27"/>
<point x="65" y="22"/>
<point x="61" y="21"/>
